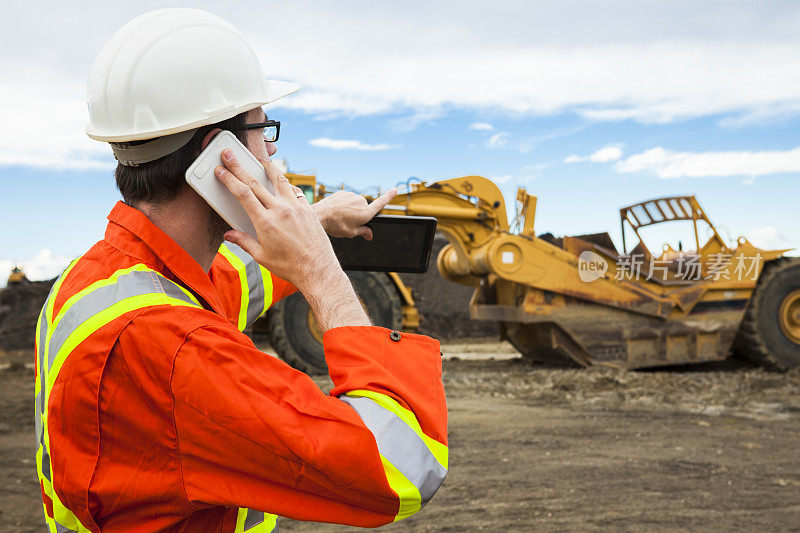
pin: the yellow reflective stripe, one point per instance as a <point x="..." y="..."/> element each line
<point x="54" y="291"/>
<point x="49" y="317"/>
<point x="268" y="297"/>
<point x="51" y="524"/>
<point x="239" y="265"/>
<point x="61" y="514"/>
<point x="267" y="526"/>
<point x="437" y="449"/>
<point x="110" y="281"/>
<point x="104" y="317"/>
<point x="65" y="517"/>
<point x="407" y="493"/>
<point x="39" y="366"/>
<point x="77" y="297"/>
<point x="242" y="514"/>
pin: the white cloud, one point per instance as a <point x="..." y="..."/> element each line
<point x="500" y="180"/>
<point x="532" y="172"/>
<point x="769" y="114"/>
<point x="605" y="154"/>
<point x="348" y="144"/>
<point x="409" y="123"/>
<point x="526" y="174"/>
<point x="43" y="125"/>
<point x="770" y="238"/>
<point x="653" y="83"/>
<point x="504" y="140"/>
<point x="498" y="140"/>
<point x="481" y="126"/>
<point x="668" y="164"/>
<point x="45" y="265"/>
<point x="610" y="152"/>
<point x="519" y="58"/>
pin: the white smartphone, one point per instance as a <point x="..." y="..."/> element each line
<point x="200" y="177"/>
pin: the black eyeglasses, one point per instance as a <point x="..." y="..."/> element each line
<point x="272" y="128"/>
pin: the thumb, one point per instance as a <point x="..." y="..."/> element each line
<point x="243" y="241"/>
<point x="365" y="232"/>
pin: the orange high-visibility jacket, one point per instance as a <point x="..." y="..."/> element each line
<point x="155" y="412"/>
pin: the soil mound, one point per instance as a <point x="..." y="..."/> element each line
<point x="19" y="309"/>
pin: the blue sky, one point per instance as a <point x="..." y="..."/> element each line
<point x="588" y="105"/>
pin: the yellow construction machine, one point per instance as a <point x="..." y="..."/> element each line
<point x="578" y="300"/>
<point x="17" y="277"/>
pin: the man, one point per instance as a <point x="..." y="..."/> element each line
<point x="153" y="411"/>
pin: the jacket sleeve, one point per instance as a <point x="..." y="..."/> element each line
<point x="246" y="288"/>
<point x="253" y="432"/>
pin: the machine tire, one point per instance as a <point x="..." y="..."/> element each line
<point x="760" y="338"/>
<point x="291" y="333"/>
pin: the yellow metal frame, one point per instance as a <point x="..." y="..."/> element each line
<point x="471" y="212"/>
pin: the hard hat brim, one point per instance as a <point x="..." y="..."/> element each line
<point x="275" y="90"/>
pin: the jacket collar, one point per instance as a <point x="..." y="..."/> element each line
<point x="130" y="231"/>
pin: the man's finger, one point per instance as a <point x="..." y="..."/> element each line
<point x="243" y="194"/>
<point x="244" y="241"/>
<point x="365" y="232"/>
<point x="232" y="164"/>
<point x="280" y="184"/>
<point x="379" y="203"/>
<point x="299" y="194"/>
<point x="271" y="176"/>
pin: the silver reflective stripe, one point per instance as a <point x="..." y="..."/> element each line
<point x="39" y="414"/>
<point x="42" y="378"/>
<point x="37" y="421"/>
<point x="64" y="529"/>
<point x="128" y="285"/>
<point x="41" y="355"/>
<point x="45" y="461"/>
<point x="252" y="519"/>
<point x="255" y="303"/>
<point x="401" y="446"/>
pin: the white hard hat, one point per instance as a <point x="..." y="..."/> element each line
<point x="171" y="71"/>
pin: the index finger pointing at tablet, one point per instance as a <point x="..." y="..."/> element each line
<point x="379" y="203"/>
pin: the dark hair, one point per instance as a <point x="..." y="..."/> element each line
<point x="161" y="180"/>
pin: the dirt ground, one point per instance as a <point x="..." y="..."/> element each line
<point x="711" y="448"/>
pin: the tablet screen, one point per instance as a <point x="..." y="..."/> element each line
<point x="399" y="244"/>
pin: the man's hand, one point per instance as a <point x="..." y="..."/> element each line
<point x="292" y="243"/>
<point x="343" y="214"/>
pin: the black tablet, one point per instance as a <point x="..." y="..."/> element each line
<point x="399" y="244"/>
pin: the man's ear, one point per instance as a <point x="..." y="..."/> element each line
<point x="208" y="137"/>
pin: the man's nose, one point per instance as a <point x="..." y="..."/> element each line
<point x="271" y="148"/>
